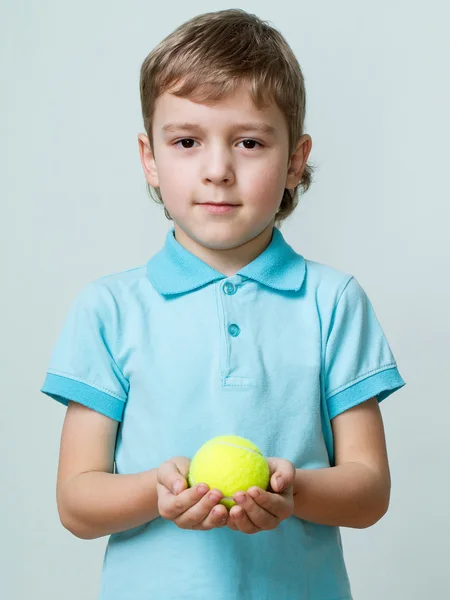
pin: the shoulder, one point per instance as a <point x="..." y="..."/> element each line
<point x="112" y="293"/>
<point x="326" y="275"/>
<point x="325" y="281"/>
<point x="121" y="280"/>
<point x="333" y="289"/>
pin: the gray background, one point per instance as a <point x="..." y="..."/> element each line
<point x="74" y="207"/>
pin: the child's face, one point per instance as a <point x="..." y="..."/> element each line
<point x="220" y="162"/>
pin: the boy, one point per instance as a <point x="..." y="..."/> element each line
<point x="226" y="330"/>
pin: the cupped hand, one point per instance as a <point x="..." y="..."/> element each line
<point x="263" y="510"/>
<point x="189" y="508"/>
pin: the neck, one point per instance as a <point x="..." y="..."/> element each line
<point x="229" y="260"/>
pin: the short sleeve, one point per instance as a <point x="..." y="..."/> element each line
<point x="359" y="363"/>
<point x="82" y="365"/>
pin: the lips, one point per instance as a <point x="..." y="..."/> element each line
<point x="219" y="203"/>
<point x="218" y="208"/>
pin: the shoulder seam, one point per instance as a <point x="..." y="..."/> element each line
<point x="333" y="313"/>
<point x="119" y="273"/>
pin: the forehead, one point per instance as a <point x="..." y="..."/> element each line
<point x="237" y="107"/>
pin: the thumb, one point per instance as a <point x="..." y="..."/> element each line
<point x="173" y="474"/>
<point x="183" y="464"/>
<point x="281" y="474"/>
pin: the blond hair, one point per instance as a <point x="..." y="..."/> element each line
<point x="209" y="56"/>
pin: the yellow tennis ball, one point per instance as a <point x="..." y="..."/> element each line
<point x="230" y="464"/>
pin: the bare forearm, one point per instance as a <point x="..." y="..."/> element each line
<point x="348" y="495"/>
<point x="95" y="504"/>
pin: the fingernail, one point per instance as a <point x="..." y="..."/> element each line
<point x="177" y="486"/>
<point x="280" y="482"/>
<point x="240" y="499"/>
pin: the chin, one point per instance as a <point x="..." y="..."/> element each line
<point x="220" y="236"/>
<point x="218" y="242"/>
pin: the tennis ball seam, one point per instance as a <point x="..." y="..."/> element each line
<point x="239" y="443"/>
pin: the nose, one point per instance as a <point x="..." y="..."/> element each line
<point x="218" y="166"/>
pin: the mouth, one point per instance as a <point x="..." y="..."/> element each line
<point x="219" y="203"/>
<point x="218" y="207"/>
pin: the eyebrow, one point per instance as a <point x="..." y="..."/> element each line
<point x="259" y="127"/>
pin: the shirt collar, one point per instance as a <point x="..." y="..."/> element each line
<point x="175" y="270"/>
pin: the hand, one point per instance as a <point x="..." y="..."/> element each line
<point x="264" y="510"/>
<point x="188" y="508"/>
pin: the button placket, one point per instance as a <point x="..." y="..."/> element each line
<point x="229" y="289"/>
<point x="234" y="346"/>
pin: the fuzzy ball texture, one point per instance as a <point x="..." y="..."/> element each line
<point x="230" y="464"/>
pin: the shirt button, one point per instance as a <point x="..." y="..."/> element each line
<point x="229" y="288"/>
<point x="234" y="330"/>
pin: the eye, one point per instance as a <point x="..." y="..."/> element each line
<point x="251" y="142"/>
<point x="189" y="140"/>
<point x="184" y="140"/>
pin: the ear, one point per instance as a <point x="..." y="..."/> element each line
<point x="148" y="160"/>
<point x="298" y="162"/>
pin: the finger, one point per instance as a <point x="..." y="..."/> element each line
<point x="171" y="477"/>
<point x="242" y="521"/>
<point x="182" y="463"/>
<point x="217" y="517"/>
<point x="282" y="474"/>
<point x="277" y="483"/>
<point x="171" y="506"/>
<point x="231" y="522"/>
<point x="275" y="504"/>
<point x="196" y="514"/>
<point x="259" y="516"/>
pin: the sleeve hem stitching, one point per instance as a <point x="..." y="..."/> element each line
<point x="87" y="382"/>
<point x="360" y="378"/>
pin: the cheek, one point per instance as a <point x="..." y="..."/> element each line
<point x="262" y="182"/>
<point x="266" y="186"/>
<point x="174" y="176"/>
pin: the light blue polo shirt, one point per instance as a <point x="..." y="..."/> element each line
<point x="179" y="353"/>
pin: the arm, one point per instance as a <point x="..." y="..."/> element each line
<point x="355" y="492"/>
<point x="92" y="501"/>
